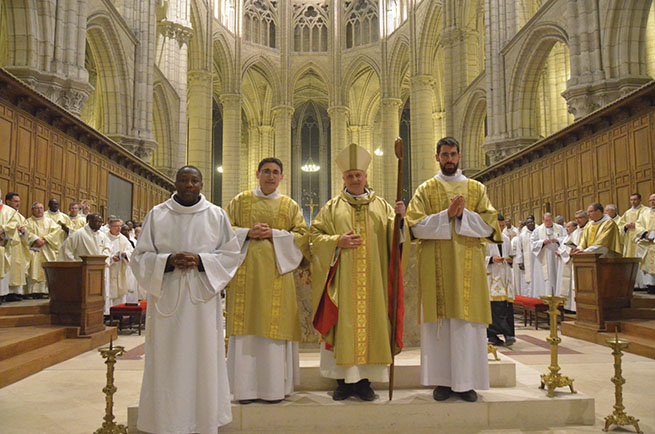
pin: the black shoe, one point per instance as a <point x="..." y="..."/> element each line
<point x="364" y="391"/>
<point x="496" y="341"/>
<point x="343" y="391"/>
<point x="441" y="393"/>
<point x="13" y="297"/>
<point x="246" y="401"/>
<point x="509" y="341"/>
<point x="272" y="401"/>
<point x="469" y="396"/>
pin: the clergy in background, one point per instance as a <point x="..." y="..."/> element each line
<point x="510" y="231"/>
<point x="60" y="218"/>
<point x="612" y="211"/>
<point x="565" y="284"/>
<point x="121" y="280"/>
<point x="646" y="245"/>
<point x="77" y="220"/>
<point x="600" y="235"/>
<point x="44" y="248"/>
<point x="17" y="247"/>
<point x="351" y="246"/>
<point x="263" y="321"/>
<point x="545" y="240"/>
<point x="501" y="290"/>
<point x="524" y="258"/>
<point x="452" y="217"/>
<point x="88" y="241"/>
<point x="627" y="224"/>
<point x="185" y="256"/>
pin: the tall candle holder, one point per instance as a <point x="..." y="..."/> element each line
<point x="554" y="379"/>
<point x="619" y="416"/>
<point x="109" y="426"/>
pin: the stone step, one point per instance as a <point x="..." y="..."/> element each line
<point x="524" y="407"/>
<point x="20" y="340"/>
<point x="24" y="320"/>
<point x="25" y="307"/>
<point x="638" y="313"/>
<point x="23" y="365"/>
<point x="407" y="375"/>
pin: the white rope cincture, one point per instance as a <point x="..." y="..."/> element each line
<point x="185" y="275"/>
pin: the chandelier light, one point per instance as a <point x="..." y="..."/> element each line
<point x="309" y="166"/>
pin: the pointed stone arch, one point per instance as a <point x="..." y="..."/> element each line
<point x="113" y="74"/>
<point x="315" y="70"/>
<point x="428" y="39"/>
<point x="268" y="70"/>
<point x="399" y="69"/>
<point x="524" y="79"/>
<point x="625" y="43"/>
<point x="165" y="122"/>
<point x="223" y="66"/>
<point x="473" y="131"/>
<point x="354" y="68"/>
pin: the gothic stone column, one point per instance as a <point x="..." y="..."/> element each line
<point x="199" y="113"/>
<point x="231" y="146"/>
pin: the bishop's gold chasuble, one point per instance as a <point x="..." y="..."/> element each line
<point x="261" y="301"/>
<point x="357" y="294"/>
<point x="452" y="273"/>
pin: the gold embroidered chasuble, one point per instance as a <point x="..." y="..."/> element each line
<point x="18" y="249"/>
<point x="261" y="301"/>
<point x="50" y="231"/>
<point x="646" y="248"/>
<point x="628" y="236"/>
<point x="452" y="273"/>
<point x="77" y="222"/>
<point x="604" y="234"/>
<point x="359" y="288"/>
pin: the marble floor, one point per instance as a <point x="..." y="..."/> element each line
<point x="67" y="398"/>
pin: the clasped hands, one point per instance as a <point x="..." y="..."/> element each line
<point x="500" y="260"/>
<point x="456" y="207"/>
<point x="183" y="260"/>
<point x="118" y="257"/>
<point x="260" y="231"/>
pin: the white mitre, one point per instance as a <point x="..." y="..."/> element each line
<point x="353" y="157"/>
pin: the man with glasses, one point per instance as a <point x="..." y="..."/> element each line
<point x="263" y="322"/>
<point x="452" y="217"/>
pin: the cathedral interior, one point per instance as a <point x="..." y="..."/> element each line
<point x="553" y="102"/>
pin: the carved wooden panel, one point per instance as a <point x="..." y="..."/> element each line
<point x="40" y="162"/>
<point x="607" y="167"/>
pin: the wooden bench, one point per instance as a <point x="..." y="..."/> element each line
<point x="533" y="309"/>
<point x="136" y="314"/>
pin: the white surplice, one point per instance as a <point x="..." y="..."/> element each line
<point x="87" y="242"/>
<point x="258" y="367"/>
<point x="565" y="276"/>
<point x="524" y="256"/>
<point x="454" y="351"/>
<point x="121" y="279"/>
<point x="544" y="261"/>
<point x="185" y="387"/>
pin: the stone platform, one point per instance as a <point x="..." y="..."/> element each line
<point x="521" y="405"/>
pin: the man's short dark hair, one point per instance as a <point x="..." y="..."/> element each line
<point x="9" y="196"/>
<point x="598" y="206"/>
<point x="270" y="160"/>
<point x="451" y="142"/>
<point x="188" y="167"/>
<point x="635" y="194"/>
<point x="92" y="215"/>
<point x="501" y="218"/>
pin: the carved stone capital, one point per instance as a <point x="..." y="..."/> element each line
<point x="499" y="150"/>
<point x="586" y="98"/>
<point x="173" y="30"/>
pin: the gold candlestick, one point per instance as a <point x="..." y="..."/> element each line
<point x="491" y="349"/>
<point x="109" y="426"/>
<point x="619" y="416"/>
<point x="554" y="379"/>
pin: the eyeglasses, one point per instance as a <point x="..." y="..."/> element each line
<point x="271" y="172"/>
<point x="448" y="155"/>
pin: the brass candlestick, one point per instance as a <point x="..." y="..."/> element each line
<point x="109" y="426"/>
<point x="554" y="379"/>
<point x="491" y="349"/>
<point x="619" y="416"/>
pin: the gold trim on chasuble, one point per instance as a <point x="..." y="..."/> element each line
<point x="436" y="198"/>
<point x="238" y="326"/>
<point x="360" y="283"/>
<point x="469" y="245"/>
<point x="276" y="295"/>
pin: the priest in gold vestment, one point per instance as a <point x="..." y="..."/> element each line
<point x="18" y="249"/>
<point x="646" y="245"/>
<point x="452" y="218"/>
<point x="263" y="322"/>
<point x="600" y="235"/>
<point x="351" y="245"/>
<point x="44" y="248"/>
<point x="77" y="220"/>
